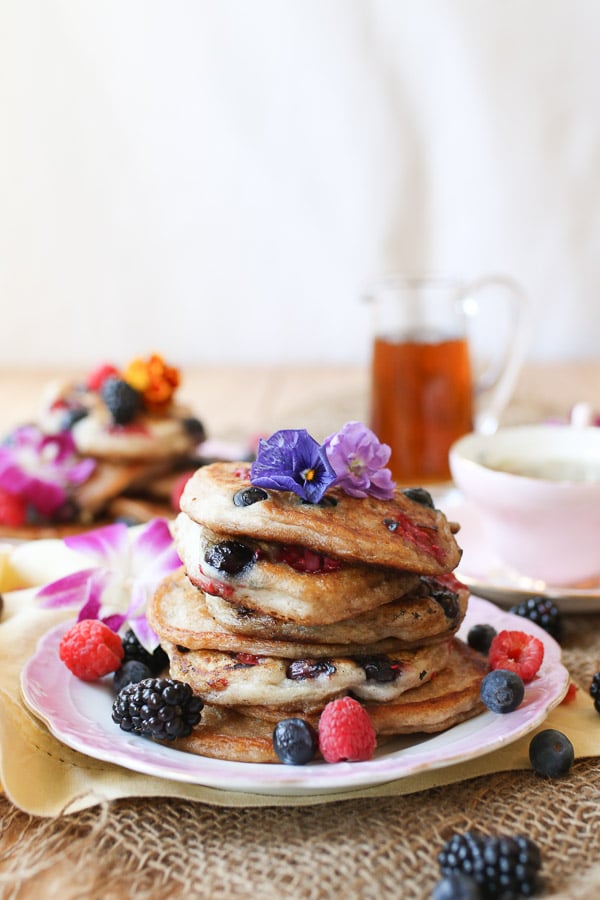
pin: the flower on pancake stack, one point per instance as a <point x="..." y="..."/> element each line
<point x="40" y="470"/>
<point x="353" y="458"/>
<point x="154" y="379"/>
<point x="359" y="459"/>
<point x="291" y="460"/>
<point x="126" y="569"/>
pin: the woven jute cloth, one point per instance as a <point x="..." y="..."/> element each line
<point x="362" y="848"/>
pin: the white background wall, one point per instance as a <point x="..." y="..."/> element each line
<point x="219" y="180"/>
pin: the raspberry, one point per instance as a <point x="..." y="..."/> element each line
<point x="346" y="732"/>
<point x="13" y="509"/>
<point x="177" y="490"/>
<point x="90" y="649"/>
<point x="519" y="652"/>
<point x="99" y="376"/>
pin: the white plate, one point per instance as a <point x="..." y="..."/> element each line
<point x="489" y="577"/>
<point x="79" y="715"/>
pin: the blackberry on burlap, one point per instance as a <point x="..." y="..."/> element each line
<point x="503" y="867"/>
<point x="161" y="708"/>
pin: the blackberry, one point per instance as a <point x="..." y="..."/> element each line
<point x="456" y="886"/>
<point x="123" y="401"/>
<point x="503" y="867"/>
<point x="295" y="741"/>
<point x="543" y="612"/>
<point x="130" y="672"/>
<point x="231" y="557"/>
<point x="156" y="661"/>
<point x="480" y="637"/>
<point x="502" y="690"/>
<point x="595" y="690"/>
<point x="551" y="753"/>
<point x="419" y="495"/>
<point x="160" y="708"/>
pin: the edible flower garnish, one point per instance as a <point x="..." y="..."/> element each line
<point x="154" y="379"/>
<point x="126" y="572"/>
<point x="291" y="460"/>
<point x="40" y="468"/>
<point x="359" y="459"/>
<point x="353" y="458"/>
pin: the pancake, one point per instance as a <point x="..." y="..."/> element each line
<point x="434" y="608"/>
<point x="449" y="698"/>
<point x="231" y="679"/>
<point x="265" y="582"/>
<point x="181" y="614"/>
<point x="226" y="734"/>
<point x="400" y="533"/>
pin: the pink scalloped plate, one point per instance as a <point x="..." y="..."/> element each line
<point x="79" y="715"/>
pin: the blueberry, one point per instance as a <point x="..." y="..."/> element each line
<point x="122" y="400"/>
<point x="456" y="886"/>
<point x="380" y="668"/>
<point x="301" y="669"/>
<point x="419" y="495"/>
<point x="502" y="690"/>
<point x="248" y="496"/>
<point x="551" y="753"/>
<point x="295" y="741"/>
<point x="72" y="416"/>
<point x="194" y="428"/>
<point x="130" y="672"/>
<point x="480" y="637"/>
<point x="231" y="557"/>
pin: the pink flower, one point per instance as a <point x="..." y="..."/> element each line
<point x="41" y="468"/>
<point x="359" y="459"/>
<point x="127" y="570"/>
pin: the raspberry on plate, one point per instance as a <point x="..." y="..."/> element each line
<point x="90" y="649"/>
<point x="346" y="732"/>
<point x="517" y="651"/>
<point x="13" y="509"/>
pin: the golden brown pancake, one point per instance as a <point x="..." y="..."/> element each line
<point x="237" y="679"/>
<point x="270" y="585"/>
<point x="181" y="614"/>
<point x="451" y="697"/>
<point x="399" y="533"/>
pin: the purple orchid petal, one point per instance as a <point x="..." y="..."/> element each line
<point x="153" y="553"/>
<point x="96" y="583"/>
<point x="67" y="591"/>
<point x="105" y="546"/>
<point x="44" y="496"/>
<point x="115" y="621"/>
<point x="81" y="471"/>
<point x="144" y="633"/>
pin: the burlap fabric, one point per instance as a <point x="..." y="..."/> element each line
<point x="363" y="848"/>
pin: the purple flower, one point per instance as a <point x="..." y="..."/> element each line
<point x="359" y="459"/>
<point x="291" y="460"/>
<point x="126" y="572"/>
<point x="41" y="468"/>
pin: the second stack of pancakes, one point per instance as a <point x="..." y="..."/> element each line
<point x="282" y="606"/>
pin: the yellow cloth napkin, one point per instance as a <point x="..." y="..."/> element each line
<point x="44" y="777"/>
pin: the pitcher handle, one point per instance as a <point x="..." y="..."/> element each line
<point x="499" y="379"/>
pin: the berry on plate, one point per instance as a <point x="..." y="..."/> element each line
<point x="480" y="637"/>
<point x="551" y="753"/>
<point x="295" y="741"/>
<point x="502" y="690"/>
<point x="543" y="611"/>
<point x="346" y="732"/>
<point x="13" y="509"/>
<point x="160" y="708"/>
<point x="90" y="649"/>
<point x="520" y="652"/>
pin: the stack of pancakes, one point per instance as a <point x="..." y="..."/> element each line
<point x="283" y="605"/>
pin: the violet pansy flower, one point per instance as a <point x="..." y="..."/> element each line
<point x="126" y="570"/>
<point x="291" y="460"/>
<point x="359" y="460"/>
<point x="41" y="468"/>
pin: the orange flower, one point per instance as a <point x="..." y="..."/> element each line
<point x="154" y="379"/>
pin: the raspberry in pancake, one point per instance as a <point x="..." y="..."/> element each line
<point x="400" y="533"/>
